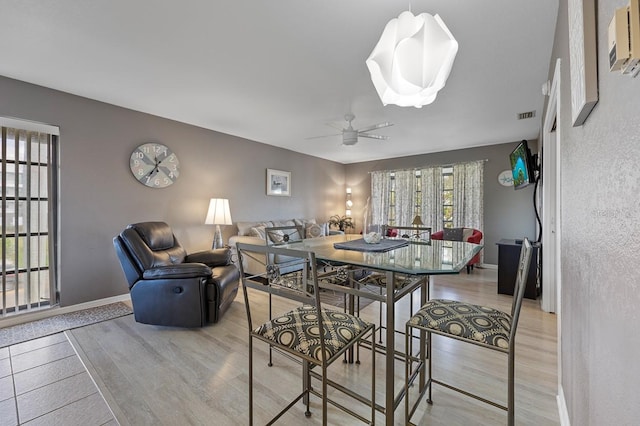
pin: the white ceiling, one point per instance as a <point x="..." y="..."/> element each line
<point x="278" y="71"/>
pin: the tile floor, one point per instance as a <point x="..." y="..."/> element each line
<point x="43" y="382"/>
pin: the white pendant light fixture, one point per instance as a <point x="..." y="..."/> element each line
<point x="412" y="60"/>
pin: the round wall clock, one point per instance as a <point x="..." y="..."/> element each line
<point x="154" y="165"/>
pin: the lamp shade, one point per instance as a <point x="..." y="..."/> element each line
<point x="417" y="221"/>
<point x="412" y="60"/>
<point x="218" y="213"/>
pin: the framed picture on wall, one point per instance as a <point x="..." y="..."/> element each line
<point x="278" y="183"/>
<point x="583" y="59"/>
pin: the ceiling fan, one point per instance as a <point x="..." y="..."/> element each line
<point x="350" y="135"/>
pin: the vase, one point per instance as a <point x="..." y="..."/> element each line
<point x="367" y="224"/>
<point x="366" y="219"/>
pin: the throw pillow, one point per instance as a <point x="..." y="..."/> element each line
<point x="303" y="223"/>
<point x="466" y="233"/>
<point x="276" y="236"/>
<point x="452" y="234"/>
<point x="257" y="231"/>
<point x="313" y="230"/>
<point x="325" y="228"/>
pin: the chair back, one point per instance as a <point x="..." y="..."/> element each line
<point x="520" y="285"/>
<point x="300" y="286"/>
<point x="152" y="244"/>
<point x="277" y="235"/>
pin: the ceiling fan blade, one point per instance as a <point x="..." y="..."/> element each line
<point x="323" y="136"/>
<point x="380" y="137"/>
<point x="376" y="126"/>
<point x="339" y="126"/>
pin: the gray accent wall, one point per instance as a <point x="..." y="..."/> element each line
<point x="508" y="213"/>
<point x="99" y="196"/>
<point x="600" y="239"/>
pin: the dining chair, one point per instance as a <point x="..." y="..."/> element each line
<point x="276" y="235"/>
<point x="308" y="333"/>
<point x="479" y="325"/>
<point x="413" y="234"/>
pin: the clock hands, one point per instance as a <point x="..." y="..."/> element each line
<point x="155" y="168"/>
<point x="154" y="165"/>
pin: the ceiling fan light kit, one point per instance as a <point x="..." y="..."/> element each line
<point x="412" y="60"/>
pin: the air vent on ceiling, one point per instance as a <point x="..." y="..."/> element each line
<point x="525" y="115"/>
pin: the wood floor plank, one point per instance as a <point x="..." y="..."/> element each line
<point x="162" y="376"/>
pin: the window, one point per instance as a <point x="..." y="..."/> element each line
<point x="27" y="216"/>
<point x="447" y="197"/>
<point x="444" y="196"/>
<point x="391" y="216"/>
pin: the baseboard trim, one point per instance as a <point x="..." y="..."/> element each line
<point x="489" y="266"/>
<point x="562" y="408"/>
<point x="23" y="318"/>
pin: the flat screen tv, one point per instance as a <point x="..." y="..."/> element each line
<point x="522" y="166"/>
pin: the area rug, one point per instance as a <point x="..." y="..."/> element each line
<point x="58" y="323"/>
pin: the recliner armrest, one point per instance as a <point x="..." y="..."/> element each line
<point x="212" y="258"/>
<point x="180" y="270"/>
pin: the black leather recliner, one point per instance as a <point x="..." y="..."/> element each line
<point x="168" y="286"/>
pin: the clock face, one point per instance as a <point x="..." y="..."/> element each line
<point x="154" y="165"/>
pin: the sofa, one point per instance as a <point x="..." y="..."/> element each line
<point x="470" y="235"/>
<point x="254" y="233"/>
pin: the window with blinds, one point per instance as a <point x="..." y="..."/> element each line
<point x="447" y="197"/>
<point x="27" y="218"/>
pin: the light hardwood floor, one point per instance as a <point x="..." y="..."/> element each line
<point x="166" y="376"/>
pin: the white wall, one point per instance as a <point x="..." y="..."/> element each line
<point x="600" y="222"/>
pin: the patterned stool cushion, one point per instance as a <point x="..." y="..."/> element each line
<point x="299" y="331"/>
<point x="466" y="321"/>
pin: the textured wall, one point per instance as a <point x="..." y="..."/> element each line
<point x="600" y="229"/>
<point x="507" y="213"/>
<point x="99" y="195"/>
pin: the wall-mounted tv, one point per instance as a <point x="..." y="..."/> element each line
<point x="522" y="166"/>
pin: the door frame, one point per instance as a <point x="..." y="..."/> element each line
<point x="551" y="199"/>
<point x="551" y="140"/>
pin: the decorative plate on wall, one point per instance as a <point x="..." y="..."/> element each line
<point x="506" y="178"/>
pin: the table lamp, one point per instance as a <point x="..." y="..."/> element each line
<point x="218" y="214"/>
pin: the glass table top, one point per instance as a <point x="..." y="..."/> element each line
<point x="436" y="257"/>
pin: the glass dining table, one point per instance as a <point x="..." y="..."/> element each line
<point x="400" y="271"/>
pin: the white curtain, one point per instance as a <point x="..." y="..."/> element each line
<point x="379" y="200"/>
<point x="468" y="184"/>
<point x="431" y="207"/>
<point x="405" y="189"/>
<point x="468" y="195"/>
